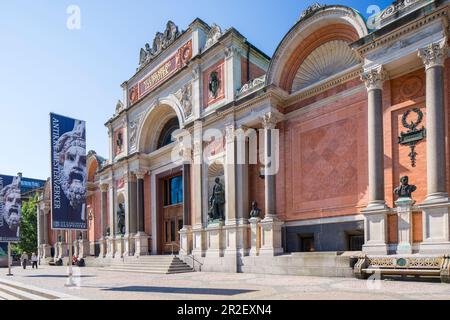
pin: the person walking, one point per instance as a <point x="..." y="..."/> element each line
<point x="24" y="259"/>
<point x="34" y="260"/>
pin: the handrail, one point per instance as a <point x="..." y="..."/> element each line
<point x="195" y="260"/>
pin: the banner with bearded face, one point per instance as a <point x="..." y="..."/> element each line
<point x="10" y="208"/>
<point x="69" y="174"/>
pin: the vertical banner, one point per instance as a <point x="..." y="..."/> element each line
<point x="10" y="208"/>
<point x="68" y="157"/>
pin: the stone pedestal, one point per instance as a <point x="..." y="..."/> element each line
<point x="271" y="236"/>
<point x="83" y="249"/>
<point x="57" y="250"/>
<point x="185" y="241"/>
<point x="128" y="241"/>
<point x="46" y="251"/>
<point x="215" y="240"/>
<point x="110" y="247"/>
<point x="255" y="236"/>
<point x="405" y="230"/>
<point x="120" y="247"/>
<point x="435" y="221"/>
<point x="92" y="249"/>
<point x="141" y="244"/>
<point x="198" y="241"/>
<point x="76" y="249"/>
<point x="103" y="247"/>
<point x="375" y="226"/>
<point x="62" y="250"/>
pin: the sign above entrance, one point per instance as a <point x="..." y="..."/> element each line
<point x="156" y="78"/>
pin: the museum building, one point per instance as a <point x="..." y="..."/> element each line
<point x="349" y="107"/>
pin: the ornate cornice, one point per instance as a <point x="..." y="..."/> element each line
<point x="434" y="54"/>
<point x="413" y="26"/>
<point x="374" y="78"/>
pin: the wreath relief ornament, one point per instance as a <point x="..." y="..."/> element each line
<point x="414" y="135"/>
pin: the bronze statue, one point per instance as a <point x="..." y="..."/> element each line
<point x="405" y="190"/>
<point x="256" y="212"/>
<point x="121" y="219"/>
<point x="217" y="202"/>
<point x="214" y="84"/>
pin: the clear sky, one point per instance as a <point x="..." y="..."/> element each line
<point x="45" y="67"/>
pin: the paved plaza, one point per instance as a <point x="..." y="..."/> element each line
<point x="93" y="283"/>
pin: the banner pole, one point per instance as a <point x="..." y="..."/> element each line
<point x="70" y="279"/>
<point x="9" y="260"/>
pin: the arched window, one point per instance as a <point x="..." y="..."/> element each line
<point x="165" y="137"/>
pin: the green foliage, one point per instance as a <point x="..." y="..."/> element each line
<point x="28" y="227"/>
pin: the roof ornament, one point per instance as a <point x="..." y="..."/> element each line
<point x="161" y="42"/>
<point x="311" y="10"/>
<point x="213" y="36"/>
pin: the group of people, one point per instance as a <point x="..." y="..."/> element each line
<point x="24" y="260"/>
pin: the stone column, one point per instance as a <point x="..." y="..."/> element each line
<point x="110" y="240"/>
<point x="104" y="199"/>
<point x="376" y="212"/>
<point x="199" y="236"/>
<point x="46" y="249"/>
<point x="141" y="238"/>
<point x="271" y="225"/>
<point x="128" y="238"/>
<point x="435" y="208"/>
<point x="186" y="231"/>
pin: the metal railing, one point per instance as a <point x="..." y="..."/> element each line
<point x="173" y="245"/>
<point x="193" y="263"/>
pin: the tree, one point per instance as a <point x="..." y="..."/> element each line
<point x="28" y="227"/>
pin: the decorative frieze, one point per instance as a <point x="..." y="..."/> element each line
<point x="434" y="54"/>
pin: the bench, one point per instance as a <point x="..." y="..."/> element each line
<point x="429" y="266"/>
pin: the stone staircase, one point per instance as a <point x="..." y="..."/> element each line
<point x="150" y="264"/>
<point x="11" y="290"/>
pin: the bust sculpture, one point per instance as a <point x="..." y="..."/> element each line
<point x="121" y="219"/>
<point x="217" y="202"/>
<point x="214" y="84"/>
<point x="405" y="190"/>
<point x="256" y="212"/>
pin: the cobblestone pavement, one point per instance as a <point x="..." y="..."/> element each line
<point x="93" y="283"/>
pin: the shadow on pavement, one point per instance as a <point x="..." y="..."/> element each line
<point x="56" y="276"/>
<point x="199" y="291"/>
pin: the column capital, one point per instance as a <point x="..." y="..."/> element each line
<point x="140" y="174"/>
<point x="229" y="132"/>
<point x="374" y="78"/>
<point x="270" y="120"/>
<point x="434" y="54"/>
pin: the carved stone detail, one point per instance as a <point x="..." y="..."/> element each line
<point x="160" y="43"/>
<point x="270" y="120"/>
<point x="184" y="95"/>
<point x="252" y="85"/>
<point x="434" y="54"/>
<point x="374" y="78"/>
<point x="134" y="125"/>
<point x="213" y="36"/>
<point x="310" y="10"/>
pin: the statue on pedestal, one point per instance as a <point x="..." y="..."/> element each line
<point x="405" y="190"/>
<point x="256" y="212"/>
<point x="121" y="219"/>
<point x="217" y="203"/>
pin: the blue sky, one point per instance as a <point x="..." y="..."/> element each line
<point x="45" y="67"/>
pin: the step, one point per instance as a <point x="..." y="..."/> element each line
<point x="20" y="294"/>
<point x="152" y="271"/>
<point x="154" y="268"/>
<point x="7" y="296"/>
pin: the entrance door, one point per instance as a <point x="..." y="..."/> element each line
<point x="172" y="213"/>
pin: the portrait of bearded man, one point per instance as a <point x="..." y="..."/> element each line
<point x="71" y="148"/>
<point x="10" y="196"/>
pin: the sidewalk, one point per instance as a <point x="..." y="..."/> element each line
<point x="93" y="283"/>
